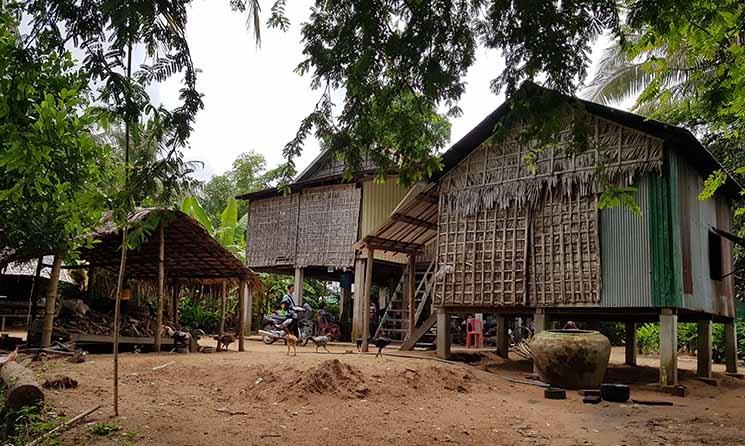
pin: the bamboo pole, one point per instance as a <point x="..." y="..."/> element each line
<point x="117" y="310"/>
<point x="33" y="295"/>
<point x="161" y="289"/>
<point x="368" y="289"/>
<point x="49" y="310"/>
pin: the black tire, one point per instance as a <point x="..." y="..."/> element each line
<point x="554" y="393"/>
<point x="591" y="399"/>
<point x="616" y="393"/>
<point x="268" y="340"/>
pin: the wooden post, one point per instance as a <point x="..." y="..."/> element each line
<point x="540" y="323"/>
<point x="368" y="290"/>
<point x="299" y="281"/>
<point x="668" y="347"/>
<point x="411" y="293"/>
<point x="358" y="313"/>
<point x="443" y="333"/>
<point x="503" y="340"/>
<point x="49" y="310"/>
<point x="242" y="314"/>
<point x="631" y="343"/>
<point x="249" y="311"/>
<point x="730" y="346"/>
<point x="223" y="299"/>
<point x="33" y="297"/>
<point x="176" y="290"/>
<point x="703" y="354"/>
<point x="117" y="310"/>
<point x="161" y="289"/>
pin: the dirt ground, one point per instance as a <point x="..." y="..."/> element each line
<point x="263" y="397"/>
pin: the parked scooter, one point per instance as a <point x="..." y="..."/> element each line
<point x="298" y="323"/>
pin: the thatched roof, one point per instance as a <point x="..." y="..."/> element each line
<point x="28" y="268"/>
<point x="190" y="251"/>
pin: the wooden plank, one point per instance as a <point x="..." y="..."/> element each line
<point x="108" y="339"/>
<point x="419" y="332"/>
<point x="413" y="221"/>
<point x="411" y="293"/>
<point x="368" y="290"/>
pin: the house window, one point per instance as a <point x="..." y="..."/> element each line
<point x="715" y="256"/>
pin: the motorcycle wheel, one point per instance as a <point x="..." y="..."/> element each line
<point x="268" y="340"/>
<point x="306" y="332"/>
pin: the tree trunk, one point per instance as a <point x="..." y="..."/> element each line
<point x="49" y="310"/>
<point x="22" y="387"/>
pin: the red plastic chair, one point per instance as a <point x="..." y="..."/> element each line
<point x="475" y="331"/>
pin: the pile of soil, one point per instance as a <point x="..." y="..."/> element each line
<point x="332" y="377"/>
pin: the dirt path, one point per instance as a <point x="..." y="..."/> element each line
<point x="263" y="397"/>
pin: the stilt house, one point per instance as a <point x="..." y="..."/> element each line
<point x="519" y="240"/>
<point x="310" y="232"/>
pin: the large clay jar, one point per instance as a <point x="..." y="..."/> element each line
<point x="572" y="359"/>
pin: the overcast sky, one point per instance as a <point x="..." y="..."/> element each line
<point x="253" y="100"/>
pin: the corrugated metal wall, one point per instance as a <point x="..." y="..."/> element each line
<point x="702" y="217"/>
<point x="624" y="245"/>
<point x="378" y="201"/>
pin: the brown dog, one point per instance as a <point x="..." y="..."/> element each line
<point x="291" y="341"/>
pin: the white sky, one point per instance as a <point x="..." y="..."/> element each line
<point x="254" y="100"/>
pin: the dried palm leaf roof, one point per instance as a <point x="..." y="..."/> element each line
<point x="28" y="268"/>
<point x="191" y="253"/>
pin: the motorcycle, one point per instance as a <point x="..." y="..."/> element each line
<point x="298" y="323"/>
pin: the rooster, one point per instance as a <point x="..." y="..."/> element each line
<point x="380" y="342"/>
<point x="11" y="357"/>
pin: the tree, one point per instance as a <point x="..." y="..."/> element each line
<point x="51" y="167"/>
<point x="400" y="62"/>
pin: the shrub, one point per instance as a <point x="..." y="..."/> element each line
<point x="648" y="339"/>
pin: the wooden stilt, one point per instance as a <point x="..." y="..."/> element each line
<point x="630" y="343"/>
<point x="668" y="347"/>
<point x="703" y="353"/>
<point x="358" y="313"/>
<point x="33" y="297"/>
<point x="299" y="282"/>
<point x="249" y="311"/>
<point x="242" y="314"/>
<point x="503" y="340"/>
<point x="730" y="346"/>
<point x="161" y="289"/>
<point x="540" y="323"/>
<point x="49" y="310"/>
<point x="366" y="307"/>
<point x="443" y="333"/>
<point x="411" y="294"/>
<point x="175" y="297"/>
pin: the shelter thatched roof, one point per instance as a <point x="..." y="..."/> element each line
<point x="28" y="268"/>
<point x="191" y="253"/>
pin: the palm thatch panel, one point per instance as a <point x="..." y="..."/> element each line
<point x="328" y="219"/>
<point x="272" y="231"/>
<point x="512" y="233"/>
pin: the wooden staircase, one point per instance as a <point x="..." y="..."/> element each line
<point x="395" y="320"/>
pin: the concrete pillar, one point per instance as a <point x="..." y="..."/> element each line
<point x="503" y="340"/>
<point x="443" y="333"/>
<point x="631" y="343"/>
<point x="540" y="323"/>
<point x="730" y="347"/>
<point x="703" y="354"/>
<point x="367" y="299"/>
<point x="358" y="312"/>
<point x="668" y="347"/>
<point x="299" y="281"/>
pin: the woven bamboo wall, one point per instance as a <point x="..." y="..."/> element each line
<point x="510" y="235"/>
<point x="272" y="231"/>
<point x="328" y="219"/>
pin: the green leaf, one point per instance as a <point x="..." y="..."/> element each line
<point x="619" y="196"/>
<point x="192" y="208"/>
<point x="712" y="184"/>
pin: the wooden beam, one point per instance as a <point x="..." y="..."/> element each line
<point x="630" y="343"/>
<point x="419" y="332"/>
<point x="413" y="221"/>
<point x="411" y="293"/>
<point x="374" y="242"/>
<point x="223" y="299"/>
<point x="358" y="309"/>
<point x="368" y="290"/>
<point x="428" y="198"/>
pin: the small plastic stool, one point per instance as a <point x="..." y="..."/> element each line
<point x="475" y="331"/>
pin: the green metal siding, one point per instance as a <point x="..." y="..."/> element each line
<point x="625" y="253"/>
<point x="663" y="222"/>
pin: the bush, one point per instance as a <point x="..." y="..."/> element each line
<point x="196" y="315"/>
<point x="614" y="331"/>
<point x="648" y="339"/>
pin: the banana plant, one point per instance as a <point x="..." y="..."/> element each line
<point x="230" y="232"/>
